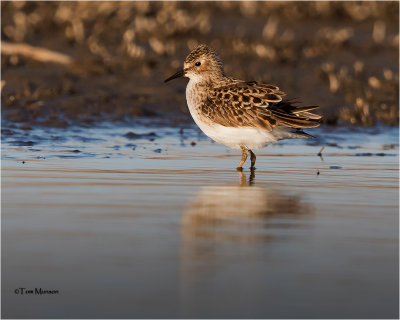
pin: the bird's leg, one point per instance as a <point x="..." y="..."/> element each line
<point x="244" y="157"/>
<point x="253" y="159"/>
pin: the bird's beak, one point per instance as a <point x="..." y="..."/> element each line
<point x="179" y="74"/>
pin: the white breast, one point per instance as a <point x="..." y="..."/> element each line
<point x="195" y="96"/>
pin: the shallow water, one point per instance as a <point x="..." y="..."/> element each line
<point x="161" y="225"/>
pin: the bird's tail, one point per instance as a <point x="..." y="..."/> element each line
<point x="290" y="115"/>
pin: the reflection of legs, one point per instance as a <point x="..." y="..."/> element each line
<point x="242" y="178"/>
<point x="243" y="182"/>
<point x="252" y="176"/>
<point x="244" y="157"/>
<point x="253" y="159"/>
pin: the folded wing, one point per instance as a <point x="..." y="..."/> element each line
<point x="249" y="104"/>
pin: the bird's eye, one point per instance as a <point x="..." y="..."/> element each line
<point x="197" y="64"/>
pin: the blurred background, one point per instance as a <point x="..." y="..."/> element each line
<point x="82" y="62"/>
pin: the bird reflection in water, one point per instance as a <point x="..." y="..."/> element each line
<point x="226" y="232"/>
<point x="243" y="212"/>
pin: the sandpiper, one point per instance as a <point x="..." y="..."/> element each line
<point x="240" y="114"/>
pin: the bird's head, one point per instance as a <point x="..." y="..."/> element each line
<point x="202" y="64"/>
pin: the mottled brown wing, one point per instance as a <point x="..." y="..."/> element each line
<point x="249" y="104"/>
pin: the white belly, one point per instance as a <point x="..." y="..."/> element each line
<point x="247" y="137"/>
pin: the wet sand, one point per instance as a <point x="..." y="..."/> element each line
<point x="148" y="225"/>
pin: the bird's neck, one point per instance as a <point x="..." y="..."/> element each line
<point x="196" y="92"/>
<point x="198" y="89"/>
